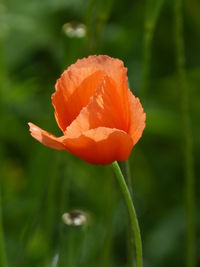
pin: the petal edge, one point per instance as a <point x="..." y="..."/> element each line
<point x="137" y="118"/>
<point x="45" y="138"/>
<point x="100" y="146"/>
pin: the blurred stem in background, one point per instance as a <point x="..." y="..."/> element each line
<point x="187" y="136"/>
<point x="3" y="74"/>
<point x="105" y="256"/>
<point x="132" y="213"/>
<point x="3" y="261"/>
<point x="97" y="14"/>
<point x="51" y="203"/>
<point x="148" y="35"/>
<point x="152" y="11"/>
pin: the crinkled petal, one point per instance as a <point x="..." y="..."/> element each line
<point x="137" y="118"/>
<point x="70" y="96"/>
<point x="78" y="83"/>
<point x="46" y="138"/>
<point x="100" y="146"/>
<point x="104" y="110"/>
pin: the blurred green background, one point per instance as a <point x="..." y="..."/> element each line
<point x="159" y="42"/>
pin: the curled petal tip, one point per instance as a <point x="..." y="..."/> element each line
<point x="45" y="138"/>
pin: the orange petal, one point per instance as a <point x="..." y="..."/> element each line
<point x="46" y="138"/>
<point x="70" y="96"/>
<point x="137" y="118"/>
<point x="104" y="110"/>
<point x="100" y="146"/>
<point x="78" y="83"/>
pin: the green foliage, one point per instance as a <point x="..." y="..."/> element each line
<point x="38" y="184"/>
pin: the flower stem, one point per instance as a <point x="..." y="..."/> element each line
<point x="128" y="177"/>
<point x="132" y="213"/>
<point x="125" y="168"/>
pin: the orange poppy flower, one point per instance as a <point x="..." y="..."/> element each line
<point x="100" y="118"/>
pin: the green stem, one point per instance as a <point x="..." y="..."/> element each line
<point x="128" y="176"/>
<point x="132" y="213"/>
<point x="187" y="136"/>
<point x="130" y="239"/>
